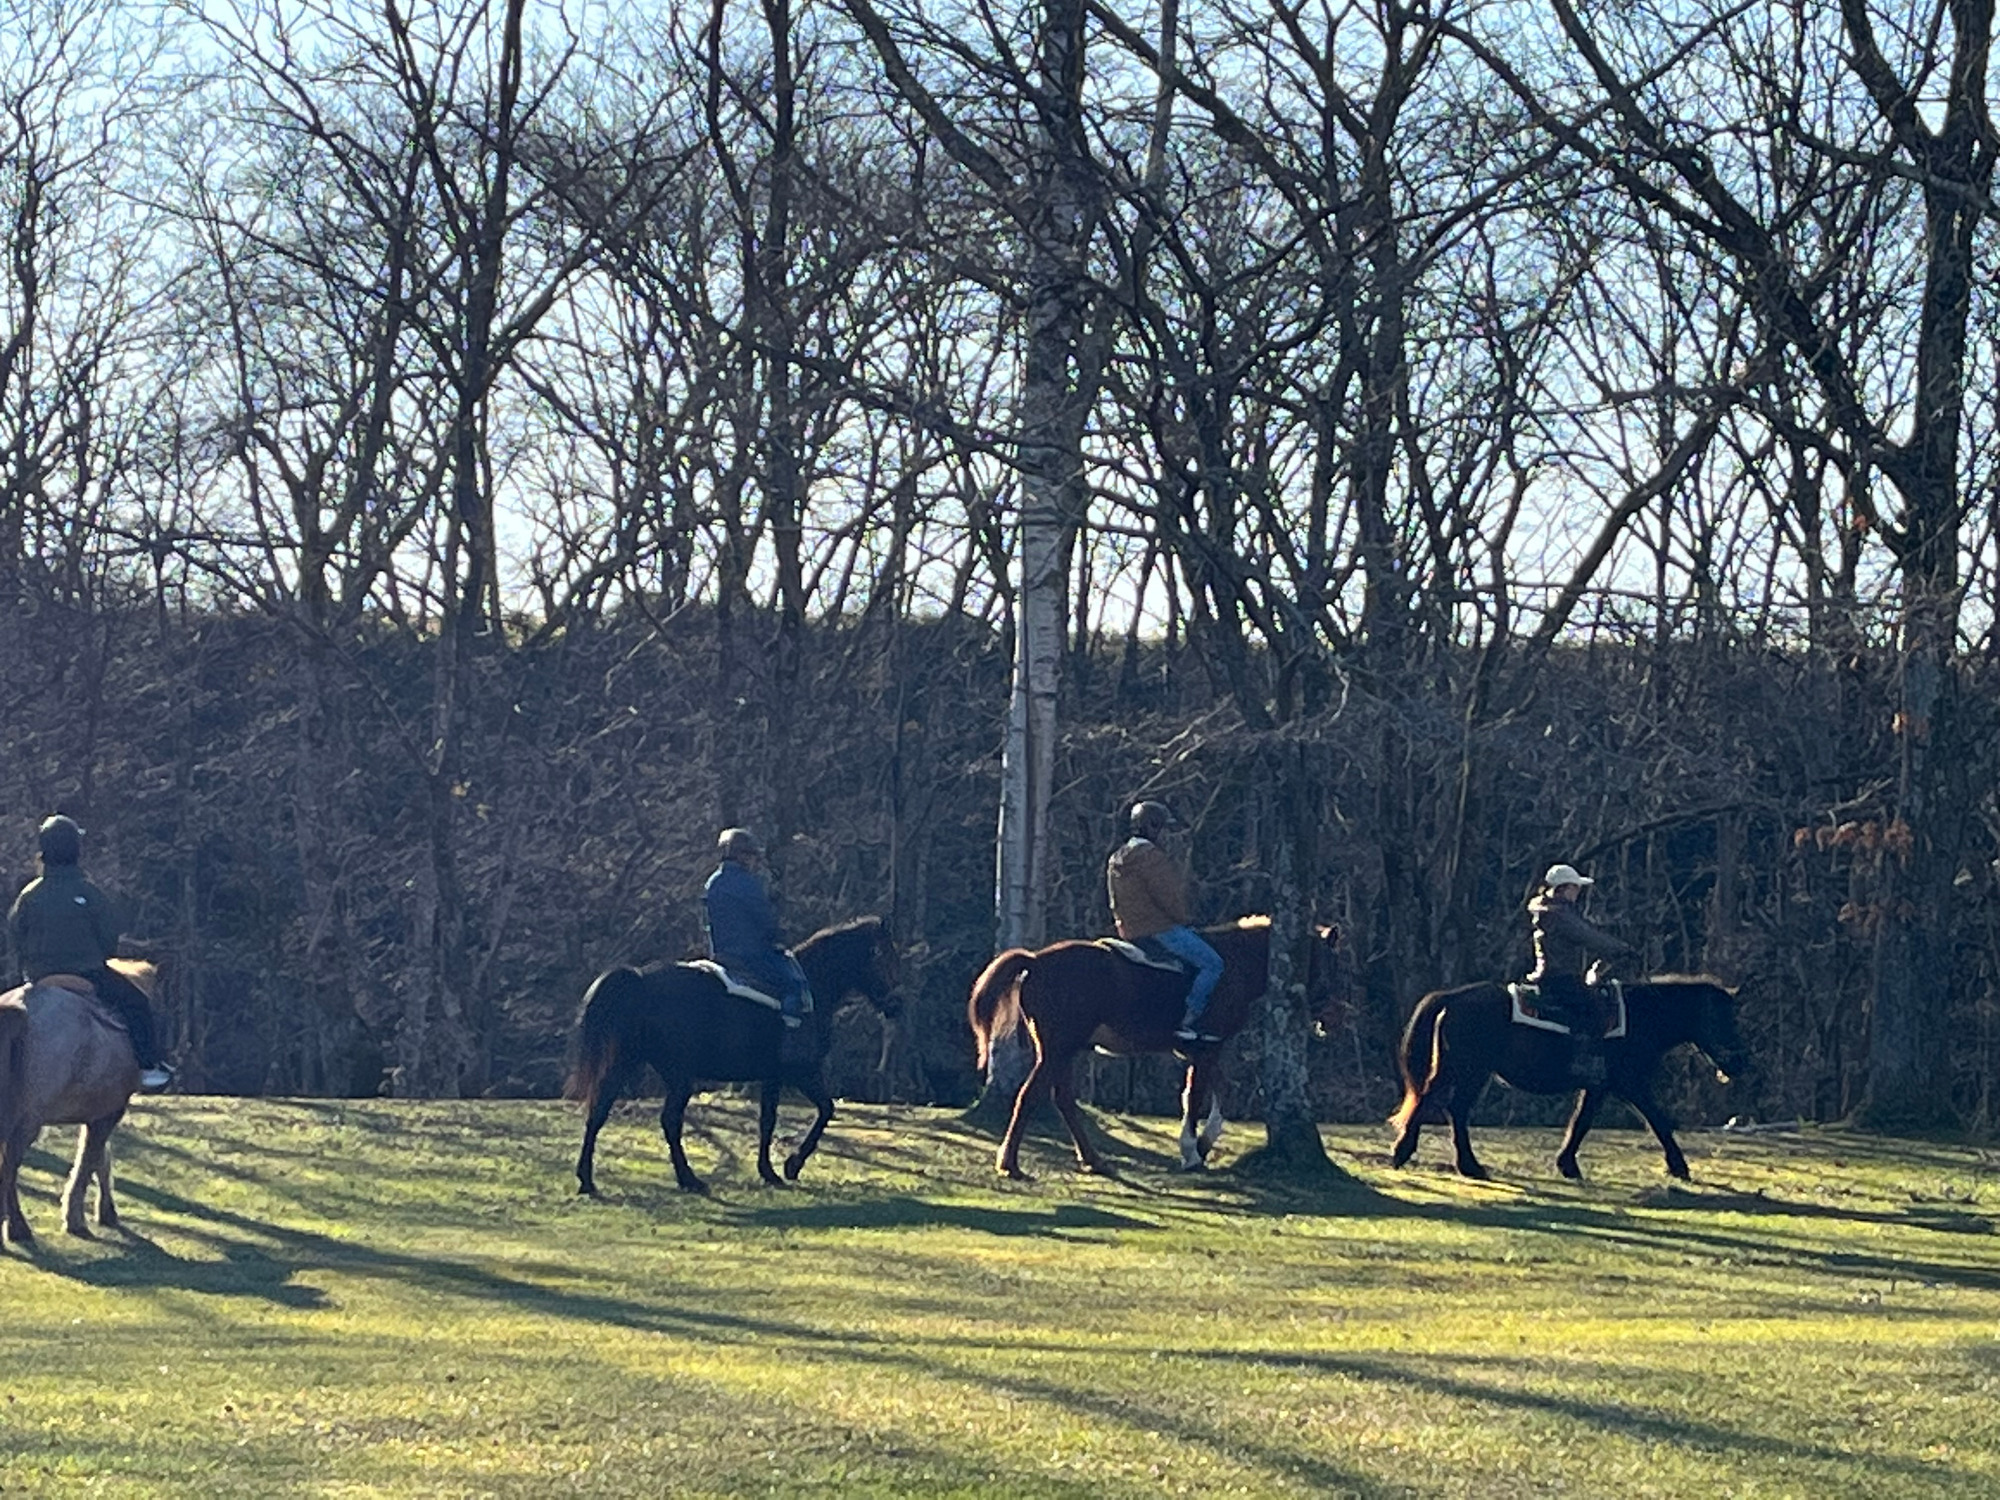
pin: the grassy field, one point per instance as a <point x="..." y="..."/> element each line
<point x="315" y="1298"/>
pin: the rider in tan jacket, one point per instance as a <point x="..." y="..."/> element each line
<point x="1149" y="900"/>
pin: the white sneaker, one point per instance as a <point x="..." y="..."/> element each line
<point x="152" y="1080"/>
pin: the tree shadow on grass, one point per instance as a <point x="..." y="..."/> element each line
<point x="1058" y="1220"/>
<point x="243" y="1270"/>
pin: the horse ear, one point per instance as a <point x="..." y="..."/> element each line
<point x="1328" y="933"/>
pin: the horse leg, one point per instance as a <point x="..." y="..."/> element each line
<point x="815" y="1089"/>
<point x="1063" y="1088"/>
<point x="1008" y="1162"/>
<point x="1580" y="1121"/>
<point x="767" y="1126"/>
<point x="1194" y="1148"/>
<point x="600" y="1111"/>
<point x="1662" y="1125"/>
<point x="13" y="1223"/>
<point x="92" y="1158"/>
<point x="1460" y="1111"/>
<point x="672" y="1114"/>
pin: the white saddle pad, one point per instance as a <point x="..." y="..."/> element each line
<point x="1138" y="955"/>
<point x="1525" y="1013"/>
<point x="742" y="991"/>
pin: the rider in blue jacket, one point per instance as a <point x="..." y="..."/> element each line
<point x="743" y="929"/>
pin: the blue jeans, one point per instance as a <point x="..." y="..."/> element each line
<point x="776" y="973"/>
<point x="1192" y="949"/>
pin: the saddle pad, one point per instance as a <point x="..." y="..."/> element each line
<point x="70" y="984"/>
<point x="740" y="990"/>
<point x="1135" y="954"/>
<point x="1526" y="996"/>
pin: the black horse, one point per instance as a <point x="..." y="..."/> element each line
<point x="679" y="1018"/>
<point x="1459" y="1038"/>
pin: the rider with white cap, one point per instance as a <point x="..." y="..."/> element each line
<point x="1564" y="943"/>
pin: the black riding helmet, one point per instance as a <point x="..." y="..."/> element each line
<point x="61" y="841"/>
<point x="1150" y="819"/>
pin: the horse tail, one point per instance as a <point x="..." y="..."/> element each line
<point x="610" y="1010"/>
<point x="1418" y="1057"/>
<point x="995" y="1007"/>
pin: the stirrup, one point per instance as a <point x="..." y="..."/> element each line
<point x="155" y="1078"/>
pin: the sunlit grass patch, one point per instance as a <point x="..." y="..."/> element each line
<point x="354" y="1298"/>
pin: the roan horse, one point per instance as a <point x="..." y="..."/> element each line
<point x="63" y="1061"/>
<point x="1080" y="993"/>
<point x="678" y="1018"/>
<point x="1458" y="1038"/>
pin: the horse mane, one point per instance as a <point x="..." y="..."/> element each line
<point x="872" y="923"/>
<point x="142" y="972"/>
<point x="1708" y="979"/>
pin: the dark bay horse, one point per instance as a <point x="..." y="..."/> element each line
<point x="1459" y="1038"/>
<point x="64" y="1060"/>
<point x="678" y="1018"/>
<point x="1076" y="994"/>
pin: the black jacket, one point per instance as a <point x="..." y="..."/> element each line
<point x="1564" y="941"/>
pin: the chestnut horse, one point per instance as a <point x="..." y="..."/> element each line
<point x="679" y="1019"/>
<point x="64" y="1060"/>
<point x="1458" y="1038"/>
<point x="1076" y="994"/>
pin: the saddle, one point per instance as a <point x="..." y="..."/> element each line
<point x="1526" y="1008"/>
<point x="1146" y="953"/>
<point x="75" y="984"/>
<point x="742" y="991"/>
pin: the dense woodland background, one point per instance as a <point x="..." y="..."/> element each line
<point x="456" y="457"/>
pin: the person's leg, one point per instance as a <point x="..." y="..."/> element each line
<point x="136" y="1011"/>
<point x="798" y="996"/>
<point x="1570" y="997"/>
<point x="1192" y="949"/>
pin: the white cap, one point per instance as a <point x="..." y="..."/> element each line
<point x="1565" y="875"/>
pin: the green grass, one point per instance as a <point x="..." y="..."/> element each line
<point x="317" y="1298"/>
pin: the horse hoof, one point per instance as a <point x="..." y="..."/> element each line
<point x="1570" y="1170"/>
<point x="693" y="1185"/>
<point x="793" y="1166"/>
<point x="1680" y="1174"/>
<point x="1474" y="1171"/>
<point x="1188" y="1168"/>
<point x="1014" y="1174"/>
<point x="586" y="1190"/>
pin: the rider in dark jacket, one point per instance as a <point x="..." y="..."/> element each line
<point x="743" y="929"/>
<point x="1564" y="943"/>
<point x="63" y="924"/>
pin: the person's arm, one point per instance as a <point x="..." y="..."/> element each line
<point x="1165" y="885"/>
<point x="104" y="922"/>
<point x="1570" y="923"/>
<point x="17" y="926"/>
<point x="757" y="903"/>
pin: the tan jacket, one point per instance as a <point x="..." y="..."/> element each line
<point x="1148" y="893"/>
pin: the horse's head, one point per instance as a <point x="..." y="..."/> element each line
<point x="1333" y="978"/>
<point x="1716" y="1035"/>
<point x="885" y="965"/>
<point x="855" y="958"/>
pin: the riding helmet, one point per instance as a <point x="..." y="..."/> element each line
<point x="61" y="841"/>
<point x="738" y="843"/>
<point x="1150" y="819"/>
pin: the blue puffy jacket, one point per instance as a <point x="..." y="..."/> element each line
<point x="743" y="929"/>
